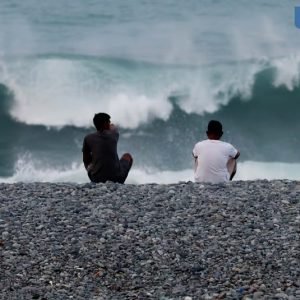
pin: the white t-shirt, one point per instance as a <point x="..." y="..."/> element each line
<point x="212" y="157"/>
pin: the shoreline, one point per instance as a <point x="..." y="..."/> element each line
<point x="238" y="240"/>
<point x="247" y="170"/>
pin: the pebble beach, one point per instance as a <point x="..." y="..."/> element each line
<point x="239" y="240"/>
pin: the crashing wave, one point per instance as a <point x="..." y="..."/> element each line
<point x="60" y="91"/>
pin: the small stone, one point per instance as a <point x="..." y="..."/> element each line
<point x="258" y="295"/>
<point x="4" y="234"/>
<point x="281" y="296"/>
<point x="262" y="287"/>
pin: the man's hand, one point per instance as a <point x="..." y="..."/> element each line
<point x="112" y="127"/>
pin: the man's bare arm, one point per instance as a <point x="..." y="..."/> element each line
<point x="196" y="161"/>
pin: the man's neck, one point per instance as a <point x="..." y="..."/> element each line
<point x="213" y="137"/>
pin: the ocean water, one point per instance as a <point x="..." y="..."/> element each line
<point x="162" y="69"/>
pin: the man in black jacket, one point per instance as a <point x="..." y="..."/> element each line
<point x="100" y="155"/>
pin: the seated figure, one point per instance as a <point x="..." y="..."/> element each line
<point x="100" y="155"/>
<point x="215" y="161"/>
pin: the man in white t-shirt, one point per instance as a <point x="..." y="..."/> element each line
<point x="215" y="161"/>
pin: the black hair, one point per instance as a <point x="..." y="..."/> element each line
<point x="215" y="127"/>
<point x="100" y="119"/>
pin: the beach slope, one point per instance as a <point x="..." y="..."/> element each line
<point x="239" y="240"/>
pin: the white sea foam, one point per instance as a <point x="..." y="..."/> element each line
<point x="27" y="171"/>
<point x="59" y="91"/>
<point x="251" y="170"/>
<point x="287" y="72"/>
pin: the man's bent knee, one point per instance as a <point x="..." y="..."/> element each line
<point x="127" y="156"/>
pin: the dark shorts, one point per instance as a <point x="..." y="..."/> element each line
<point x="125" y="167"/>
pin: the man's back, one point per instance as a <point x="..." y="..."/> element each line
<point x="103" y="145"/>
<point x="212" y="158"/>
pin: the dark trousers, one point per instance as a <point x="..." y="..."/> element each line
<point x="125" y="166"/>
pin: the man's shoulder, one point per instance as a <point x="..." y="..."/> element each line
<point x="228" y="148"/>
<point x="90" y="135"/>
<point x="225" y="144"/>
<point x="102" y="135"/>
<point x="202" y="143"/>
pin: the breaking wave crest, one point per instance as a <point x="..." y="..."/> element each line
<point x="57" y="91"/>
